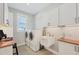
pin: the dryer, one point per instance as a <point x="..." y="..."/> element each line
<point x="33" y="39"/>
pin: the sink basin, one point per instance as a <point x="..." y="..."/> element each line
<point x="47" y="41"/>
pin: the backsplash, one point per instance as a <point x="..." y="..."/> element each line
<point x="8" y="31"/>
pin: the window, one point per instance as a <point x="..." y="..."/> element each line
<point x="21" y="23"/>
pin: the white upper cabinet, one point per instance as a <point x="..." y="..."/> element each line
<point x="4" y="13"/>
<point x="48" y="16"/>
<point x="77" y="9"/>
<point x="77" y="13"/>
<point x="53" y="17"/>
<point x="6" y="20"/>
<point x="1" y="12"/>
<point x="41" y="20"/>
<point x="67" y="14"/>
<point x="10" y="19"/>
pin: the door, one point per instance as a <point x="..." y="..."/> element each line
<point x="67" y="14"/>
<point x="20" y="26"/>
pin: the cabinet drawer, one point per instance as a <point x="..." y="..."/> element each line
<point x="66" y="53"/>
<point x="66" y="47"/>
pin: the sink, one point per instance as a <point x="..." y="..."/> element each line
<point x="47" y="41"/>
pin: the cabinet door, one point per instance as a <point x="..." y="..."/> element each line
<point x="53" y="17"/>
<point x="41" y="20"/>
<point x="78" y="9"/>
<point x="6" y="50"/>
<point x="77" y="49"/>
<point x="78" y="12"/>
<point x="10" y="18"/>
<point x="47" y="16"/>
<point x="67" y="14"/>
<point x="34" y="43"/>
<point x="1" y="12"/>
<point x="6" y="21"/>
<point x="66" y="48"/>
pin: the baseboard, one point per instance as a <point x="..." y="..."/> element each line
<point x="20" y="44"/>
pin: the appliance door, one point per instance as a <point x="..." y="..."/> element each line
<point x="27" y="41"/>
<point x="34" y="43"/>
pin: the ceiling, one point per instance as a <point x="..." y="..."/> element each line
<point x="31" y="8"/>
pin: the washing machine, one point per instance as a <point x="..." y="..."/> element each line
<point x="27" y="41"/>
<point x="33" y="39"/>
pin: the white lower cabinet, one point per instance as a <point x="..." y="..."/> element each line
<point x="77" y="49"/>
<point x="6" y="50"/>
<point x="68" y="49"/>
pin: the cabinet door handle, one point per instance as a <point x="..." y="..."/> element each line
<point x="76" y="20"/>
<point x="75" y="48"/>
<point x="78" y="49"/>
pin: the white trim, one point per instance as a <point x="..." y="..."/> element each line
<point x="20" y="44"/>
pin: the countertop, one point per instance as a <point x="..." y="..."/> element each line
<point x="6" y="42"/>
<point x="69" y="40"/>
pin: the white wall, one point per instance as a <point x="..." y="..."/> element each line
<point x="20" y="36"/>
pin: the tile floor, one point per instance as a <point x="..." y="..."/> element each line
<point x="25" y="50"/>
